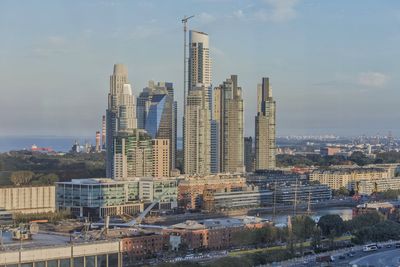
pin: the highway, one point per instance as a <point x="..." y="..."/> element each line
<point x="383" y="257"/>
<point x="386" y="258"/>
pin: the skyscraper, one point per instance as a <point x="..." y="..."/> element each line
<point x="197" y="117"/>
<point x="98" y="148"/>
<point x="156" y="111"/>
<point x="200" y="63"/>
<point x="161" y="158"/>
<point x="103" y="132"/>
<point x="248" y="154"/>
<point x="228" y="113"/>
<point x="132" y="155"/>
<point x="215" y="152"/>
<point x="265" y="148"/>
<point x="197" y="133"/>
<point x="121" y="112"/>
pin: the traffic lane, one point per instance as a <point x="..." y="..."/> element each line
<point x="388" y="257"/>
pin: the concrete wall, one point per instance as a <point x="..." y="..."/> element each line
<point x="61" y="252"/>
<point x="28" y="199"/>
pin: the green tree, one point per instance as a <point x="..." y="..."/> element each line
<point x="331" y="225"/>
<point x="364" y="220"/>
<point x="21" y="177"/>
<point x="48" y="179"/>
<point x="302" y="227"/>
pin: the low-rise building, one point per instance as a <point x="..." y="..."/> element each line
<point x="245" y="197"/>
<point x="32" y="199"/>
<point x="140" y="245"/>
<point x="210" y="233"/>
<point x="100" y="197"/>
<point x="302" y="193"/>
<point x="337" y="178"/>
<point x="367" y="187"/>
<point x="265" y="178"/>
<point x="191" y="189"/>
<point x="55" y="250"/>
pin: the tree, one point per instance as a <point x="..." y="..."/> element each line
<point x="365" y="220"/>
<point x="303" y="227"/>
<point x="342" y="191"/>
<point x="48" y="179"/>
<point x="331" y="225"/>
<point x="21" y="177"/>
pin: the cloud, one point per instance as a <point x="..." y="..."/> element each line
<point x="206" y="18"/>
<point x="56" y="40"/>
<point x="238" y="14"/>
<point x="278" y="11"/>
<point x="373" y="79"/>
<point x="50" y="46"/>
<point x="145" y="32"/>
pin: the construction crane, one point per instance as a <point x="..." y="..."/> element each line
<point x="185" y="59"/>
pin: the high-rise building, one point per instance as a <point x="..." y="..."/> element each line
<point x="248" y="154"/>
<point x="215" y="152"/>
<point x="265" y="148"/>
<point x="197" y="117"/>
<point x="161" y="158"/>
<point x="121" y="112"/>
<point x="197" y="133"/>
<point x="228" y="113"/>
<point x="103" y="132"/>
<point x="132" y="155"/>
<point x="157" y="113"/>
<point x="98" y="148"/>
<point x="200" y="63"/>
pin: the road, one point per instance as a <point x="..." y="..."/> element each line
<point x="387" y="258"/>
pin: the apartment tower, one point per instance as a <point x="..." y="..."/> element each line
<point x="228" y="113"/>
<point x="265" y="146"/>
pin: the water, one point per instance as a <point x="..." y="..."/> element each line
<point x="62" y="144"/>
<point x="344" y="213"/>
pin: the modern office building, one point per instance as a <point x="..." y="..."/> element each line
<point x="248" y="154"/>
<point x="265" y="149"/>
<point x="197" y="139"/>
<point x="133" y="154"/>
<point x="161" y="158"/>
<point x="266" y="178"/>
<point x="245" y="197"/>
<point x="302" y="193"/>
<point x="157" y="113"/>
<point x="99" y="197"/>
<point x="121" y="113"/>
<point x="228" y="113"/>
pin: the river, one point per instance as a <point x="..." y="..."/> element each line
<point x="281" y="218"/>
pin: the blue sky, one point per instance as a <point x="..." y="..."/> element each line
<point x="333" y="65"/>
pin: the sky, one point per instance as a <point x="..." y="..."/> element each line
<point x="333" y="65"/>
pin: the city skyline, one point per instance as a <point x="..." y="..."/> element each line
<point x="62" y="65"/>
